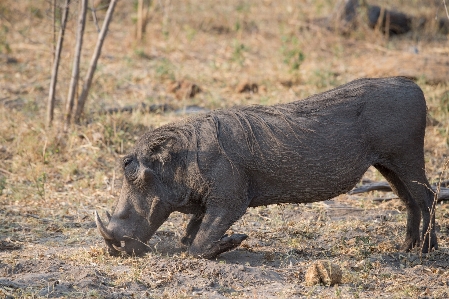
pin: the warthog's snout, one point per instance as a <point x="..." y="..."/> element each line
<point x="116" y="245"/>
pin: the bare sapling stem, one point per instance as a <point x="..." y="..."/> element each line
<point x="76" y="62"/>
<point x="445" y="8"/>
<point x="139" y="20"/>
<point x="93" y="63"/>
<point x="54" y="72"/>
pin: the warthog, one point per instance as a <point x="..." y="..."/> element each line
<point x="218" y="164"/>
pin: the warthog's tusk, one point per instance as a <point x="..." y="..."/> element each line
<point x="108" y="216"/>
<point x="103" y="230"/>
<point x="118" y="248"/>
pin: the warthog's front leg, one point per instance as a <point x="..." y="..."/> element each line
<point x="211" y="240"/>
<point x="192" y="229"/>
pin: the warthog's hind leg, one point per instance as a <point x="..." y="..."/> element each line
<point x="413" y="210"/>
<point x="414" y="190"/>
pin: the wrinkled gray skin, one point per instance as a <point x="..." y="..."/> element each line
<point x="216" y="165"/>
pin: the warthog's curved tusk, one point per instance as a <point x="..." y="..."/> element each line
<point x="118" y="248"/>
<point x="103" y="230"/>
<point x="108" y="216"/>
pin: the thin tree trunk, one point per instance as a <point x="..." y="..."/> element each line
<point x="54" y="72"/>
<point x="76" y="64"/>
<point x="139" y="20"/>
<point x="93" y="63"/>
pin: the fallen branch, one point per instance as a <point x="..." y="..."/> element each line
<point x="154" y="108"/>
<point x="5" y="171"/>
<point x="385" y="187"/>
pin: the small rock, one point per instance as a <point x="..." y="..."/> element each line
<point x="323" y="272"/>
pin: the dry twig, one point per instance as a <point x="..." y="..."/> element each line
<point x="442" y="192"/>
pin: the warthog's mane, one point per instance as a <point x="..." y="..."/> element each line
<point x="172" y="150"/>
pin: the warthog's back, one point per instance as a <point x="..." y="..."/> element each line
<point x="318" y="147"/>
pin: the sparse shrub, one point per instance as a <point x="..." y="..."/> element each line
<point x="165" y="69"/>
<point x="4" y="45"/>
<point x="238" y="52"/>
<point x="190" y="32"/>
<point x="324" y="79"/>
<point x="292" y="53"/>
<point x="364" y="245"/>
<point x="40" y="184"/>
<point x="445" y="102"/>
<point x="2" y="184"/>
<point x="36" y="12"/>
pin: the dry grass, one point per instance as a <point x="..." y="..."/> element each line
<point x="51" y="182"/>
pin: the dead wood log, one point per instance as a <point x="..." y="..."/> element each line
<point x="346" y="15"/>
<point x="388" y="21"/>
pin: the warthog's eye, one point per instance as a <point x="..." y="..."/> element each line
<point x="130" y="168"/>
<point x="127" y="161"/>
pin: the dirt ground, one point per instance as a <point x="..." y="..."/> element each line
<point x="197" y="56"/>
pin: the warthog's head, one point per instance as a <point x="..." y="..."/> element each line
<point x="141" y="209"/>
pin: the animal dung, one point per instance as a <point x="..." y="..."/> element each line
<point x="323" y="272"/>
<point x="246" y="86"/>
<point x="183" y="89"/>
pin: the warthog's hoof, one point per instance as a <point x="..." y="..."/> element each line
<point x="410" y="243"/>
<point x="186" y="241"/>
<point x="226" y="243"/>
<point x="428" y="246"/>
<point x="232" y="240"/>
